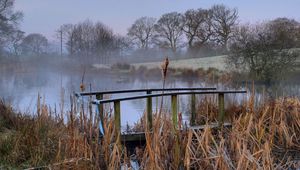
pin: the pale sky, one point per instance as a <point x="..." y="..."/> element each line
<point x="46" y="16"/>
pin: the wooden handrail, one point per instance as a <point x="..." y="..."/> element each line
<point x="142" y="90"/>
<point x="149" y="96"/>
<point x="165" y="94"/>
<point x="99" y="96"/>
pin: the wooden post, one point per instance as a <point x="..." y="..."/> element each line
<point x="193" y="110"/>
<point x="221" y="108"/>
<point x="117" y="115"/>
<point x="174" y="110"/>
<point x="175" y="125"/>
<point x="101" y="109"/>
<point x="149" y="111"/>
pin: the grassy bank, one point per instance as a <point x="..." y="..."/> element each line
<point x="192" y="63"/>
<point x="265" y="137"/>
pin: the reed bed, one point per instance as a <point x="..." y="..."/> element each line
<point x="262" y="137"/>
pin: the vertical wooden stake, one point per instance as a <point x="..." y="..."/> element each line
<point x="175" y="125"/>
<point x="101" y="109"/>
<point x="149" y="111"/>
<point x="117" y="115"/>
<point x="174" y="110"/>
<point x="193" y="110"/>
<point x="221" y="108"/>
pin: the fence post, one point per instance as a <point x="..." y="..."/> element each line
<point x="175" y="126"/>
<point x="221" y="108"/>
<point x="174" y="110"/>
<point x="117" y="115"/>
<point x="101" y="110"/>
<point x="193" y="109"/>
<point x="149" y="111"/>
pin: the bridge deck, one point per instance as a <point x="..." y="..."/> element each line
<point x="140" y="136"/>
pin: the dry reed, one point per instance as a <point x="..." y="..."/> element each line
<point x="262" y="137"/>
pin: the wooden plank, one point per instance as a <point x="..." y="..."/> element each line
<point x="149" y="111"/>
<point x="211" y="126"/>
<point x="133" y="137"/>
<point x="140" y="136"/>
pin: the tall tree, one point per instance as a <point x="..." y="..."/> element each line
<point x="65" y="36"/>
<point x="34" y="45"/>
<point x="169" y="30"/>
<point x="83" y="39"/>
<point x="93" y="41"/>
<point x="104" y="41"/>
<point x="286" y="32"/>
<point x="255" y="49"/>
<point x="224" y="19"/>
<point x="15" y="41"/>
<point x="142" y="31"/>
<point x="197" y="26"/>
<point x="9" y="20"/>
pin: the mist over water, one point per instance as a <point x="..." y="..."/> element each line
<point x="54" y="85"/>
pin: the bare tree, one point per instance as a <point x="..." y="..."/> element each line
<point x="286" y="32"/>
<point x="104" y="41"/>
<point x="34" y="45"/>
<point x="15" y="42"/>
<point x="169" y="30"/>
<point x="9" y="20"/>
<point x="142" y="31"/>
<point x="65" y="35"/>
<point x="254" y="49"/>
<point x="197" y="26"/>
<point x="94" y="41"/>
<point x="82" y="38"/>
<point x="224" y="20"/>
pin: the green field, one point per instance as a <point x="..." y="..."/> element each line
<point x="194" y="63"/>
<point x="218" y="62"/>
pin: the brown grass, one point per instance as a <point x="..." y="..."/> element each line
<point x="266" y="137"/>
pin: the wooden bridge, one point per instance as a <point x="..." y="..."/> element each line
<point x="172" y="92"/>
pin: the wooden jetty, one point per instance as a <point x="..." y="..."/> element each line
<point x="172" y="92"/>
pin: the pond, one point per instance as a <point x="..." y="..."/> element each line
<point x="55" y="87"/>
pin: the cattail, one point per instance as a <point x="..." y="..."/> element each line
<point x="164" y="67"/>
<point x="82" y="87"/>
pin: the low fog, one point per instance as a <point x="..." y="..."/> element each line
<point x="93" y="54"/>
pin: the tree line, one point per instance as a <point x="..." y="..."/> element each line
<point x="261" y="48"/>
<point x="216" y="28"/>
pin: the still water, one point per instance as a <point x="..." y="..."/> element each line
<point x="22" y="89"/>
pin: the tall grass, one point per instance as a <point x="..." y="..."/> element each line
<point x="262" y="137"/>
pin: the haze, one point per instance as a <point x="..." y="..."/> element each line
<point x="47" y="16"/>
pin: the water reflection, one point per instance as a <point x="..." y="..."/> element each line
<point x="55" y="88"/>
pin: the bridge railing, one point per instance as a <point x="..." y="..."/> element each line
<point x="174" y="96"/>
<point x="147" y="90"/>
<point x="99" y="96"/>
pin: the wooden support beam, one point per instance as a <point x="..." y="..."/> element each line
<point x="149" y="111"/>
<point x="193" y="110"/>
<point x="175" y="125"/>
<point x="221" y="108"/>
<point x="100" y="109"/>
<point x="174" y="110"/>
<point x="117" y="108"/>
